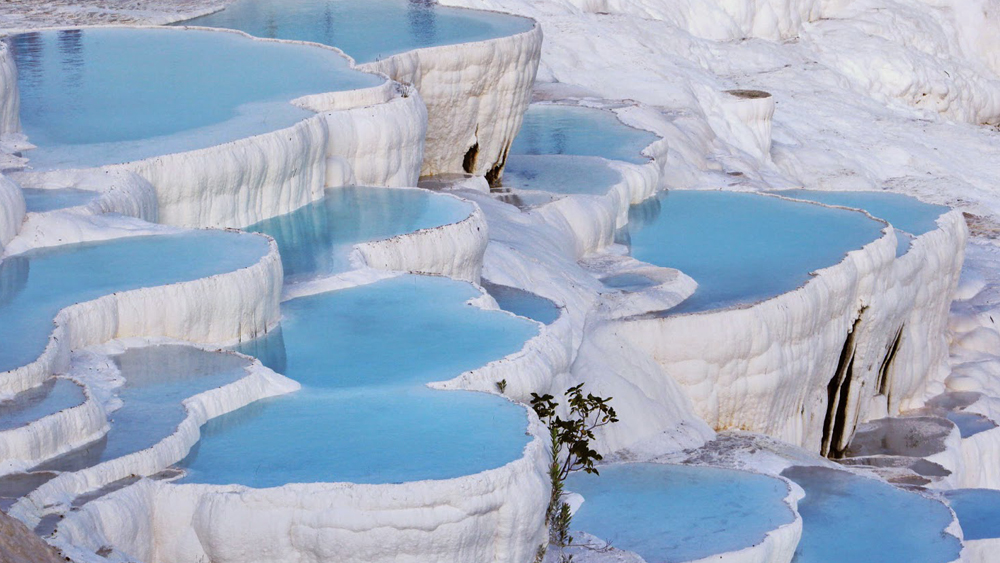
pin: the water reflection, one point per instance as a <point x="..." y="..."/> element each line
<point x="421" y="19"/>
<point x="70" y="45"/>
<point x="13" y="277"/>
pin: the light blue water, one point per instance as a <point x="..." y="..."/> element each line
<point x="316" y="240"/>
<point x="970" y="423"/>
<point x="851" y="518"/>
<point x="48" y="398"/>
<point x="978" y="512"/>
<point x="157" y="381"/>
<point x="905" y="213"/>
<point x="559" y="129"/>
<point x="679" y="513"/>
<point x="628" y="282"/>
<point x="102" y="96"/>
<point x="44" y="281"/>
<point x="364" y="414"/>
<point x="560" y="174"/>
<point x="364" y="29"/>
<point x="524" y="303"/>
<point x="742" y="248"/>
<point x="40" y="201"/>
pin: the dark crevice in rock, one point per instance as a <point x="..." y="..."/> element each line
<point x="495" y="174"/>
<point x="469" y="162"/>
<point x="883" y="383"/>
<point x="838" y="396"/>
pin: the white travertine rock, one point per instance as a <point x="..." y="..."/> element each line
<point x="455" y="250"/>
<point x="222" y="308"/>
<point x="12" y="211"/>
<point x="766" y="367"/>
<point x="476" y="94"/>
<point x="10" y="100"/>
<point x="26" y="446"/>
<point x="56" y="495"/>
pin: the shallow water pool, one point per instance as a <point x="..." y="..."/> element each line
<point x="101" y="96"/>
<point x="364" y="414"/>
<point x="523" y="303"/>
<point x="35" y="286"/>
<point x="742" y="248"/>
<point x="676" y="512"/>
<point x="48" y="398"/>
<point x="560" y="129"/>
<point x="317" y="239"/>
<point x="978" y="512"/>
<point x="560" y="174"/>
<point x="850" y="518"/>
<point x="364" y="29"/>
<point x="905" y="213"/>
<point x="157" y="381"/>
<point x="42" y="200"/>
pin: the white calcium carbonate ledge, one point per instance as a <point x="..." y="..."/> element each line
<point x="455" y="250"/>
<point x="226" y="307"/>
<point x="476" y="94"/>
<point x="56" y="495"/>
<point x="26" y="446"/>
<point x="12" y="211"/>
<point x="766" y="367"/>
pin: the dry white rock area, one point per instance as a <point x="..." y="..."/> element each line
<point x="748" y="95"/>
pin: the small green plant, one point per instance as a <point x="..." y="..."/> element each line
<point x="571" y="451"/>
<point x="501" y="386"/>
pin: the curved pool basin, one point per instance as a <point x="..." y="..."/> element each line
<point x="978" y="512"/>
<point x="366" y="30"/>
<point x="91" y="97"/>
<point x="364" y="414"/>
<point x="560" y="174"/>
<point x="41" y="200"/>
<point x="523" y="303"/>
<point x="53" y="396"/>
<point x="907" y="214"/>
<point x="560" y="129"/>
<point x="679" y="513"/>
<point x="850" y="518"/>
<point x="157" y="381"/>
<point x="48" y="280"/>
<point x="742" y="248"/>
<point x="317" y="239"/>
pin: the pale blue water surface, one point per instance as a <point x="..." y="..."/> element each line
<point x="317" y="239"/>
<point x="978" y="512"/>
<point x="40" y="201"/>
<point x="674" y="513"/>
<point x="48" y="398"/>
<point x="101" y="96"/>
<point x="904" y="213"/>
<point x="157" y="381"/>
<point x="524" y="303"/>
<point x="861" y="520"/>
<point x="364" y="29"/>
<point x="36" y="285"/>
<point x="742" y="248"/>
<point x="364" y="414"/>
<point x="560" y="174"/>
<point x="571" y="130"/>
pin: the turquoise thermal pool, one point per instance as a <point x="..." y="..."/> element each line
<point x="523" y="303"/>
<point x="364" y="414"/>
<point x="907" y="214"/>
<point x="559" y="129"/>
<point x="679" y="513"/>
<point x="742" y="248"/>
<point x="157" y="381"/>
<point x="91" y="97"/>
<point x="560" y="174"/>
<point x="49" y="398"/>
<point x="366" y="30"/>
<point x="35" y="286"/>
<point x="850" y="518"/>
<point x="40" y="201"/>
<point x="978" y="512"/>
<point x="317" y="239"/>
